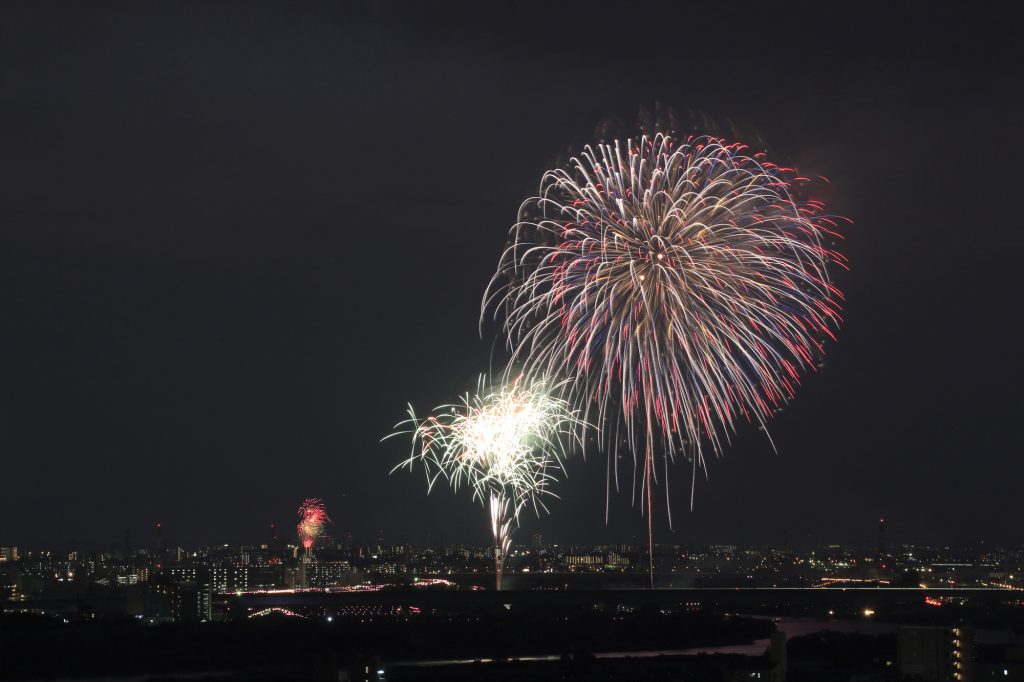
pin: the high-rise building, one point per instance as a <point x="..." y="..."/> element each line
<point x="936" y="654"/>
<point x="537" y="541"/>
<point x="195" y="597"/>
<point x="777" y="656"/>
<point x="328" y="573"/>
<point x="162" y="602"/>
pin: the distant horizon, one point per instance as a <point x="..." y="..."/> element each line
<point x="145" y="543"/>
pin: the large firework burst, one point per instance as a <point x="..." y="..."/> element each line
<point x="506" y="444"/>
<point x="312" y="519"/>
<point x="681" y="285"/>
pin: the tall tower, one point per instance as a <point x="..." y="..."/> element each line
<point x="777" y="655"/>
<point x="159" y="539"/>
<point x="881" y="538"/>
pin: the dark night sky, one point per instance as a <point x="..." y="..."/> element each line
<point x="235" y="240"/>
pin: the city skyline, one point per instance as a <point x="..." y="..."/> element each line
<point x="868" y="536"/>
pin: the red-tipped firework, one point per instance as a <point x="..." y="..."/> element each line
<point x="679" y="284"/>
<point x="313" y="517"/>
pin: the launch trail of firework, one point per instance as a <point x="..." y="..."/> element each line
<point x="681" y="286"/>
<point x="506" y="444"/>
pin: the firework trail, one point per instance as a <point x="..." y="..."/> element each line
<point x="681" y="284"/>
<point x="313" y="517"/>
<point x="505" y="444"/>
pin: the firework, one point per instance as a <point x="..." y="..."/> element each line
<point x="506" y="445"/>
<point x="312" y="519"/>
<point x="680" y="284"/>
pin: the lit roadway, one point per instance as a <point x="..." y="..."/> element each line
<point x="733" y="599"/>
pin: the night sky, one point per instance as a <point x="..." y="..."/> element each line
<point x="236" y="239"/>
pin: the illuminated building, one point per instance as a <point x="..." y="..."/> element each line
<point x="327" y="573"/>
<point x="936" y="654"/>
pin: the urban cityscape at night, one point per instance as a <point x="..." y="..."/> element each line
<point x="164" y="582"/>
<point x="810" y="594"/>
<point x="369" y="340"/>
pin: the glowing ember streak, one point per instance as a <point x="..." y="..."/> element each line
<point x="506" y="445"/>
<point x="680" y="284"/>
<point x="313" y="517"/>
